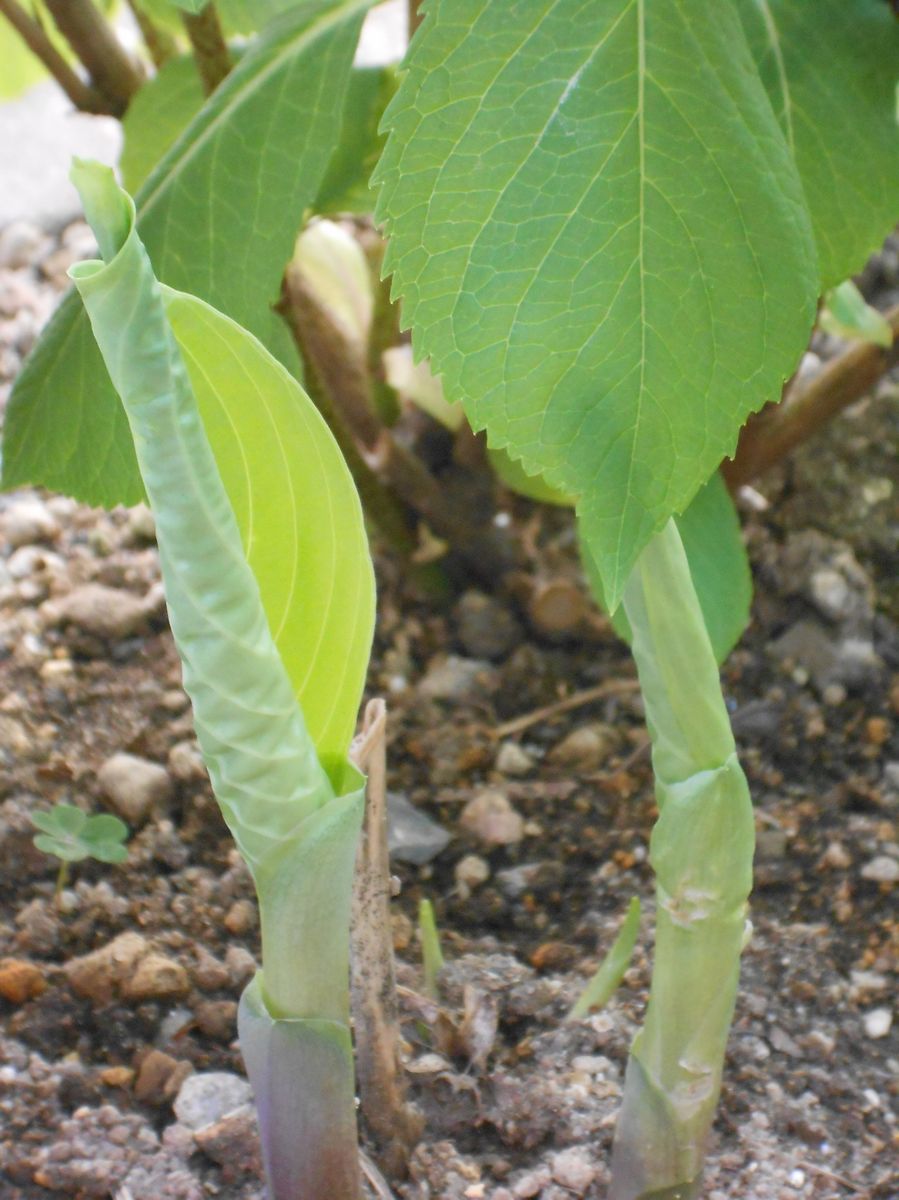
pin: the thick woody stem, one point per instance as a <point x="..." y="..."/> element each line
<point x="82" y="95"/>
<point x="773" y="433"/>
<point x="111" y="69"/>
<point x="394" y="1124"/>
<point x="379" y="504"/>
<point x="210" y="49"/>
<point x="160" y="44"/>
<point x="415" y="17"/>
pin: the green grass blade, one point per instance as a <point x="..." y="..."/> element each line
<point x="261" y="759"/>
<point x="588" y="246"/>
<point x="219" y="216"/>
<point x="431" y="952"/>
<point x="610" y="973"/>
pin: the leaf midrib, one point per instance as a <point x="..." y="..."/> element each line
<point x="777" y="50"/>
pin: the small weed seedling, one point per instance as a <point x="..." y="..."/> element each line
<point x="71" y="836"/>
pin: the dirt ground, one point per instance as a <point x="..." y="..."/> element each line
<point x="117" y="1005"/>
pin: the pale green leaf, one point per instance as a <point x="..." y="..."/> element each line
<point x="190" y="6"/>
<point x="156" y="117"/>
<point x="61" y="819"/>
<point x="511" y="473"/>
<point x="589" y="245"/>
<point x="104" y="827"/>
<point x="847" y="314"/>
<point x="299" y="515"/>
<point x="831" y="68"/>
<point x="219" y="216"/>
<point x="260" y="757"/>
<point x="719" y="568"/>
<point x="66" y="848"/>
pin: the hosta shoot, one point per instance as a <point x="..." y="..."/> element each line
<point x="285" y="787"/>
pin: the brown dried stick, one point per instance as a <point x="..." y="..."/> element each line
<point x="395" y="1124"/>
<point x="612" y="687"/>
<point x="771" y="434"/>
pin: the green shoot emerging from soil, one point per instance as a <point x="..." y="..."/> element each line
<point x="290" y="796"/>
<point x="71" y="836"/>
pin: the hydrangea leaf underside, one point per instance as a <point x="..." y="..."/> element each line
<point x="831" y="69"/>
<point x="601" y="242"/>
<point x="219" y="217"/>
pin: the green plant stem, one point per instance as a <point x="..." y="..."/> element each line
<point x="160" y="44"/>
<point x="85" y="97"/>
<point x="112" y="70"/>
<point x="210" y="49"/>
<point x="62" y="878"/>
<point x="701" y="851"/>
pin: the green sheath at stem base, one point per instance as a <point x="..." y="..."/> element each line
<point x="302" y="1075"/>
<point x="701" y="851"/>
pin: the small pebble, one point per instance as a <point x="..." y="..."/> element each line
<point x="157" y="977"/>
<point x="135" y="787"/>
<point x="241" y="917"/>
<point x="491" y="819"/>
<point x="878" y="1022"/>
<point x="882" y="869"/>
<point x="573" y="1169"/>
<point x="471" y="871"/>
<point x="20" y="980"/>
<point x="513" y="760"/>
<point x="207" y="1096"/>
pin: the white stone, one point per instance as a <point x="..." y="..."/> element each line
<point x="207" y="1096"/>
<point x="882" y="869"/>
<point x="878" y="1022"/>
<point x="135" y="787"/>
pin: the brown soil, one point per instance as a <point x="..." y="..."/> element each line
<point x="518" y="1103"/>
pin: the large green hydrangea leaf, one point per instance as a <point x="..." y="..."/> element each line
<point x="831" y="69"/>
<point x="601" y="242"/>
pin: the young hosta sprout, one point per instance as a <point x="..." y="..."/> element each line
<point x="71" y="835"/>
<point x="270" y="593"/>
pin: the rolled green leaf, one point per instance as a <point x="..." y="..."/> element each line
<point x="701" y="850"/>
<point x="296" y="824"/>
<point x="261" y="760"/>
